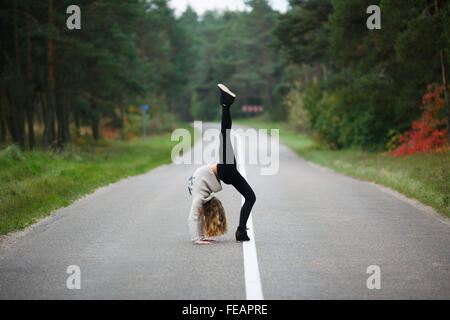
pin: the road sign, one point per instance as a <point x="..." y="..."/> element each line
<point x="247" y="108"/>
<point x="144" y="125"/>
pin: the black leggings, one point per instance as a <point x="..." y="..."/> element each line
<point x="227" y="170"/>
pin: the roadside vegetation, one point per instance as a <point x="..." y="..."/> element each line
<point x="34" y="183"/>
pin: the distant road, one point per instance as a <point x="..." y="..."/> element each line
<point x="316" y="234"/>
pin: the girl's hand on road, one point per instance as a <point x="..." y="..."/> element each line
<point x="202" y="242"/>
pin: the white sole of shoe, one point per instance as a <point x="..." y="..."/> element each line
<point x="224" y="88"/>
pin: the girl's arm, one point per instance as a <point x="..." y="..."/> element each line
<point x="195" y="225"/>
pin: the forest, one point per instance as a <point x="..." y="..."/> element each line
<point x="316" y="67"/>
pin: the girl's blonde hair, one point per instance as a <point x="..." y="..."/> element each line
<point x="215" y="222"/>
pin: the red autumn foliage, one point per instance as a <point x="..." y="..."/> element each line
<point x="427" y="133"/>
<point x="113" y="133"/>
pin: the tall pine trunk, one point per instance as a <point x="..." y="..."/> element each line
<point x="62" y="116"/>
<point x="30" y="91"/>
<point x="95" y="120"/>
<point x="444" y="81"/>
<point x="76" y="115"/>
<point x="49" y="131"/>
<point x="95" y="128"/>
<point x="17" y="111"/>
<point x="122" y="122"/>
<point x="66" y="117"/>
<point x="2" y="116"/>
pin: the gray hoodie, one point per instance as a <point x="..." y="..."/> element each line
<point x="201" y="186"/>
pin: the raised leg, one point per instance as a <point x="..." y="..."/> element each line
<point x="226" y="152"/>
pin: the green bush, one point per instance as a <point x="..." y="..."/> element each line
<point x="346" y="113"/>
<point x="161" y="124"/>
<point x="12" y="152"/>
<point x="155" y="124"/>
<point x="297" y="115"/>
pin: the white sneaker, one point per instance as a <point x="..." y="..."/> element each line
<point x="225" y="89"/>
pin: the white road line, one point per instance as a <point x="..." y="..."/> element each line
<point x="253" y="288"/>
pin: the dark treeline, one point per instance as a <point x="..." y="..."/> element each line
<point x="317" y="66"/>
<point x="127" y="52"/>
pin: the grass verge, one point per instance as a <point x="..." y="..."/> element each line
<point x="33" y="184"/>
<point x="424" y="177"/>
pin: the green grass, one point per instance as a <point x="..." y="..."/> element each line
<point x="424" y="177"/>
<point x="33" y="184"/>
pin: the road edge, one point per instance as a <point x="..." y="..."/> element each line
<point x="426" y="209"/>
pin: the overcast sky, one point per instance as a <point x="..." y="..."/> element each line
<point x="201" y="6"/>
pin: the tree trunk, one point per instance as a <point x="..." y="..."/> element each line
<point x="122" y="122"/>
<point x="95" y="120"/>
<point x="30" y="121"/>
<point x="62" y="116"/>
<point x="49" y="122"/>
<point x="94" y="126"/>
<point x="66" y="117"/>
<point x="2" y="131"/>
<point x="59" y="118"/>
<point x="12" y="116"/>
<point x="18" y="112"/>
<point x="49" y="135"/>
<point x="2" y="117"/>
<point x="39" y="108"/>
<point x="444" y="81"/>
<point x="30" y="90"/>
<point x="77" y="122"/>
<point x="10" y="123"/>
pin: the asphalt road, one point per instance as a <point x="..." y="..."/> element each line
<point x="316" y="233"/>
